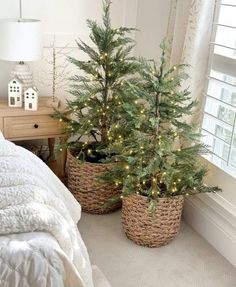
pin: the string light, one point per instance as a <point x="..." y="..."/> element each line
<point x="175" y="68"/>
<point x="60" y="120"/>
<point x="121" y="197"/>
<point x="175" y="134"/>
<point x="179" y="150"/>
<point x="136" y="102"/>
<point x="194" y="188"/>
<point x="89" y="151"/>
<point x="127" y="167"/>
<point x="142" y="111"/>
<point x="154" y="180"/>
<point x="164" y="173"/>
<point x="179" y="180"/>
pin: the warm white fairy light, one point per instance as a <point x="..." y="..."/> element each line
<point x="60" y="120"/>
<point x="126" y="167"/>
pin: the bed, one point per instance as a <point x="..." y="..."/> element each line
<point x="40" y="244"/>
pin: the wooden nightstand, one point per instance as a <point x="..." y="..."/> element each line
<point x="17" y="124"/>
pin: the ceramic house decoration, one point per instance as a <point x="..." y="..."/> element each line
<point x="31" y="99"/>
<point x="15" y="93"/>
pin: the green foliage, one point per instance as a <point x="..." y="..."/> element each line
<point x="160" y="156"/>
<point x="101" y="89"/>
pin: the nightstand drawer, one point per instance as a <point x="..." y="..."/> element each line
<point x="31" y="126"/>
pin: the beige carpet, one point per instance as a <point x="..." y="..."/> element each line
<point x="189" y="261"/>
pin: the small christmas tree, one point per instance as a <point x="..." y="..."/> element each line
<point x="160" y="156"/>
<point x="101" y="91"/>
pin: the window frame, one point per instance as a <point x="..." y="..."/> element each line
<point x="216" y="175"/>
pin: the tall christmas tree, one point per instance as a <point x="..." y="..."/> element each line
<point x="160" y="156"/>
<point x="101" y="90"/>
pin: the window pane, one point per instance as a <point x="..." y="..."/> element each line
<point x="227" y="15"/>
<point x="215" y="145"/>
<point x="232" y="159"/>
<point x="229" y="2"/>
<point x="223" y="92"/>
<point x="223" y="77"/>
<point x="220" y="110"/>
<point x="227" y="37"/>
<point x="217" y="128"/>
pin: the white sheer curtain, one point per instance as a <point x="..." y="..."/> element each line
<point x="189" y="31"/>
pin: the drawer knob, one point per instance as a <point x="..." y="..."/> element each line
<point x="36" y="126"/>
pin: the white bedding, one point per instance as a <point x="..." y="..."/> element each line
<point x="40" y="244"/>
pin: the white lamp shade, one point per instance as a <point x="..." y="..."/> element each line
<point x="20" y="40"/>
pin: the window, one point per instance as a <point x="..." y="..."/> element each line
<point x="219" y="122"/>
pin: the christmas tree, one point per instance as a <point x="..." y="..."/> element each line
<point x="160" y="155"/>
<point x="102" y="97"/>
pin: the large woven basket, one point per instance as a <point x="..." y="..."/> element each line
<point x="92" y="194"/>
<point x="147" y="229"/>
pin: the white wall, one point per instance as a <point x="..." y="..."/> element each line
<point x="152" y="21"/>
<point x="67" y="20"/>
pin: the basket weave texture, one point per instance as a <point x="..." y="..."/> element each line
<point x="84" y="184"/>
<point x="147" y="229"/>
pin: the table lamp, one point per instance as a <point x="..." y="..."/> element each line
<point x="21" y="41"/>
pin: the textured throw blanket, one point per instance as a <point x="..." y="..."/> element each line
<point x="33" y="199"/>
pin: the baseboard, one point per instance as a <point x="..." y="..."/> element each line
<point x="214" y="219"/>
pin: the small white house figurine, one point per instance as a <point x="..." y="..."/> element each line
<point x="31" y="99"/>
<point x="15" y="93"/>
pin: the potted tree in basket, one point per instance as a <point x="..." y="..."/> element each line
<point x="101" y="96"/>
<point x="161" y="157"/>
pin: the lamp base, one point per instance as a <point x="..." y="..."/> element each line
<point x="22" y="72"/>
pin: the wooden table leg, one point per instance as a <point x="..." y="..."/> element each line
<point x="51" y="144"/>
<point x="63" y="157"/>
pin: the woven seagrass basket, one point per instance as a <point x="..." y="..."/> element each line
<point x="84" y="184"/>
<point x="147" y="229"/>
